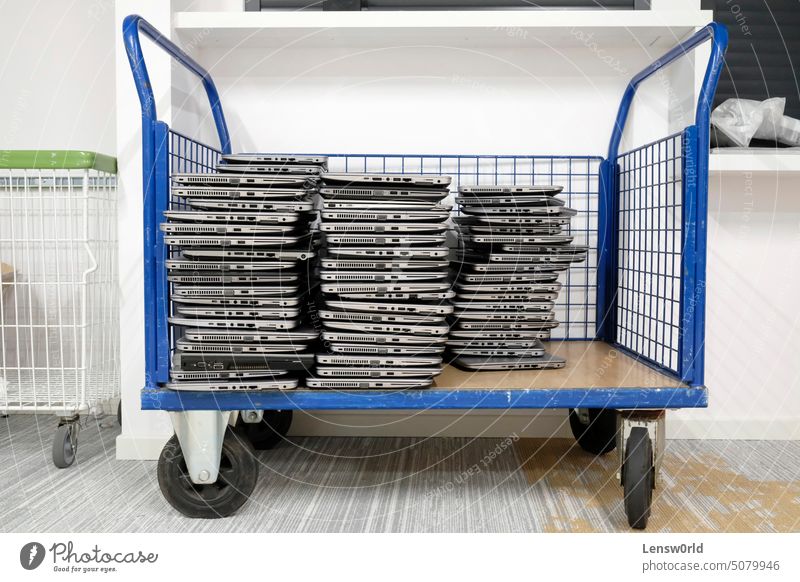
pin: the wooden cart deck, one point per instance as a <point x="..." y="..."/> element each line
<point x="596" y="376"/>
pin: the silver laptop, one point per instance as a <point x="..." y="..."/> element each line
<point x="261" y="291"/>
<point x="234" y="323"/>
<point x="505" y="325"/>
<point x="366" y="361"/>
<point x="228" y="266"/>
<point x="504" y="210"/>
<point x="518" y="239"/>
<point x="234" y="385"/>
<point x="549" y="190"/>
<point x="215" y="278"/>
<point x="225" y="374"/>
<point x="289" y="337"/>
<point x="220" y="312"/>
<point x="387" y="328"/>
<point x="400" y="318"/>
<point x="497" y="352"/>
<point x="466" y="315"/>
<point x="385" y="349"/>
<point x="529" y="287"/>
<point x="273" y="159"/>
<point x="283" y="350"/>
<point x="379" y="276"/>
<point x="389" y="179"/>
<point x="504" y="278"/>
<point x="383" y="372"/>
<point x="503" y="305"/>
<point x="389" y="204"/>
<point x="281" y="191"/>
<point x="397" y="296"/>
<point x="285" y="254"/>
<point x="232" y="217"/>
<point x="265" y="302"/>
<point x="382" y="227"/>
<point x="437" y="252"/>
<point x="241" y="179"/>
<point x="237" y="241"/>
<point x="413" y="308"/>
<point x="381" y="215"/>
<point x="351" y="264"/>
<point x="369" y="384"/>
<point x="483" y="364"/>
<point x="499" y="200"/>
<point x="272" y="169"/>
<point x="360" y="240"/>
<point x="258" y="206"/>
<point x="330" y="335"/>
<point x="411" y="287"/>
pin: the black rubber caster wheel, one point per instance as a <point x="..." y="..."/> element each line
<point x="238" y="472"/>
<point x="269" y="431"/>
<point x="65" y="444"/>
<point x="599" y="435"/>
<point x="638" y="477"/>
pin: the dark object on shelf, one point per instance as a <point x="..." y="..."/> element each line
<point x="259" y="5"/>
<point x="342" y="5"/>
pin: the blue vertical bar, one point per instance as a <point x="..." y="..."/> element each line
<point x="607" y="223"/>
<point x="161" y="306"/>
<point x="148" y="236"/>
<point x="689" y="255"/>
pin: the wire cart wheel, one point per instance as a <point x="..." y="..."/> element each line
<point x="65" y="443"/>
<point x="638" y="477"/>
<point x="238" y="473"/>
<point x="595" y="429"/>
<point x="269" y="431"/>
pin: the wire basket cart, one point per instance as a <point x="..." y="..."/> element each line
<point x="633" y="313"/>
<point x="59" y="322"/>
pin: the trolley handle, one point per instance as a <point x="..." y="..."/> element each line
<point x="718" y="35"/>
<point x="131" y="26"/>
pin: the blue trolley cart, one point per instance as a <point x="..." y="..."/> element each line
<point x="632" y="315"/>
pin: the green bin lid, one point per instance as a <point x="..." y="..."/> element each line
<point x="56" y="160"/>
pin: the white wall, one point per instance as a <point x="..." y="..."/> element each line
<point x="59" y="92"/>
<point x="57" y="75"/>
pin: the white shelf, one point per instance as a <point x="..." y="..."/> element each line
<point x="754" y="161"/>
<point x="645" y="29"/>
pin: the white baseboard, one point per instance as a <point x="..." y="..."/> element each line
<point x="481" y="423"/>
<point x="131" y="448"/>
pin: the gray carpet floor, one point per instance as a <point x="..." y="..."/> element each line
<point x="402" y="485"/>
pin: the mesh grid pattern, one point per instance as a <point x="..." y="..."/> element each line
<point x="576" y="305"/>
<point x="649" y="251"/>
<point x="59" y="315"/>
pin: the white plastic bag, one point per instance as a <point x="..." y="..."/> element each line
<point x="740" y="120"/>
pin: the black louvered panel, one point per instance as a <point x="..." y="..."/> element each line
<point x="256" y="5"/>
<point x="763" y="58"/>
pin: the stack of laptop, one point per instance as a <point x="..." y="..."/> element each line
<point x="513" y="243"/>
<point x="239" y="241"/>
<point x="384" y="284"/>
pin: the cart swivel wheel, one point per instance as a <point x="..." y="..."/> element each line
<point x="595" y="430"/>
<point x="65" y="444"/>
<point x="638" y="477"/>
<point x="269" y="431"/>
<point x="238" y="472"/>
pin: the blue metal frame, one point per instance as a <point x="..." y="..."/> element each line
<point x="156" y="167"/>
<point x="131" y="27"/>
<point x="696" y="151"/>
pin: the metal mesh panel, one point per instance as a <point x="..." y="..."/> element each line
<point x="649" y="251"/>
<point x="59" y="316"/>
<point x="576" y="305"/>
